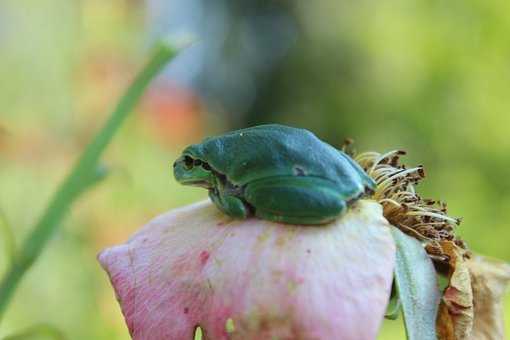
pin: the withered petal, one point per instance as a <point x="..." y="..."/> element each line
<point x="254" y="279"/>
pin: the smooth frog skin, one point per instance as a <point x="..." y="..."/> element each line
<point x="274" y="172"/>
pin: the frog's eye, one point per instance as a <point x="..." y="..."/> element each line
<point x="188" y="162"/>
<point x="197" y="162"/>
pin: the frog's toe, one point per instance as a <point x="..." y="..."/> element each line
<point x="230" y="205"/>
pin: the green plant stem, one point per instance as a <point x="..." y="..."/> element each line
<point x="8" y="236"/>
<point x="36" y="332"/>
<point x="84" y="174"/>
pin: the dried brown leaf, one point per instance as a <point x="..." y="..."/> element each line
<point x="444" y="324"/>
<point x="456" y="312"/>
<point x="489" y="279"/>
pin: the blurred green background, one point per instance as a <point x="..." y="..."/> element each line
<point x="431" y="77"/>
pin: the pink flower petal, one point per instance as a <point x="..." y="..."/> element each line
<point x="195" y="266"/>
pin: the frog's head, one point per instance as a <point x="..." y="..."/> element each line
<point x="193" y="171"/>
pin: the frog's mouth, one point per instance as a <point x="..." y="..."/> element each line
<point x="191" y="175"/>
<point x="201" y="184"/>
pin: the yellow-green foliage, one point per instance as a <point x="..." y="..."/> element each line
<point x="428" y="76"/>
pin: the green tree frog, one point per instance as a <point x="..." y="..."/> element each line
<point x="274" y="172"/>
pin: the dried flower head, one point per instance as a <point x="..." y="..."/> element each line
<point x="422" y="218"/>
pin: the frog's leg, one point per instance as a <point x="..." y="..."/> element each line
<point x="230" y="205"/>
<point x="295" y="199"/>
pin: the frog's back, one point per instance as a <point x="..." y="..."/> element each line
<point x="277" y="150"/>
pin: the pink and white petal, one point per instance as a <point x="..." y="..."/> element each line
<point x="195" y="266"/>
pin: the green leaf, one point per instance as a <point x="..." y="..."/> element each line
<point x="417" y="287"/>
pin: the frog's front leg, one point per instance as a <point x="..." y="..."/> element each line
<point x="295" y="200"/>
<point x="230" y="205"/>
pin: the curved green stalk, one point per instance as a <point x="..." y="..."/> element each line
<point x="394" y="306"/>
<point x="8" y="237"/>
<point x="85" y="173"/>
<point x="36" y="332"/>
